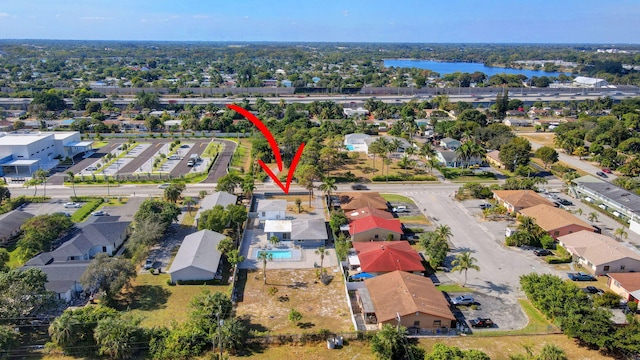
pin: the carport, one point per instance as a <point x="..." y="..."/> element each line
<point x="20" y="167"/>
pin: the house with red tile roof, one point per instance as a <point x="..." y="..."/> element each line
<point x="627" y="285"/>
<point x="556" y="222"/>
<point x="373" y="228"/>
<point x="516" y="200"/>
<point x="377" y="258"/>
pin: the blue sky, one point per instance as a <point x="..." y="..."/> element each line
<point x="426" y="21"/>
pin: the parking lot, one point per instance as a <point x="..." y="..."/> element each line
<point x="53" y="206"/>
<point x="504" y="311"/>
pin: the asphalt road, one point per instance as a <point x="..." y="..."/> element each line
<point x="221" y="165"/>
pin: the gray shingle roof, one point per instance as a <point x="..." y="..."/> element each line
<point x="308" y="229"/>
<point x="199" y="250"/>
<point x="222" y="198"/>
<point x="11" y="221"/>
<point x="272" y="205"/>
<point x="62" y="276"/>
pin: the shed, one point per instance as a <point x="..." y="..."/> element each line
<point x="198" y="257"/>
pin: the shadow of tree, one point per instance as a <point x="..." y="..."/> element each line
<point x="148" y="297"/>
<point x="305" y="325"/>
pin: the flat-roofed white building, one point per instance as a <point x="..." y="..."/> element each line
<point x="22" y="153"/>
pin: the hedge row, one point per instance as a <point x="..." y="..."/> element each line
<point x="404" y="178"/>
<point x="87" y="209"/>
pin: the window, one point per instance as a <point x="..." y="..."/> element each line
<point x="416" y="323"/>
<point x="606" y="268"/>
<point x="621" y="267"/>
<point x="556" y="233"/>
<point x="376" y="236"/>
<point x="437" y="323"/>
<point x="264" y="214"/>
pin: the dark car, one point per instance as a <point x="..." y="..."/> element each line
<point x="481" y="323"/>
<point x="565" y="202"/>
<point x="593" y="290"/>
<point x="485" y="206"/>
<point x="601" y="174"/>
<point x="358" y="187"/>
<point x="542" y="252"/>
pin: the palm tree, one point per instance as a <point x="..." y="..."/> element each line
<point x="248" y="186"/>
<point x="274" y="240"/>
<point x="427" y="150"/>
<point x="593" y="216"/>
<point x="234" y="257"/>
<point x="464" y="262"/>
<point x="322" y="252"/>
<point x="39" y="177"/>
<point x="72" y="178"/>
<point x="328" y="185"/>
<point x="264" y="257"/>
<point x="188" y="200"/>
<point x="444" y="232"/>
<point x="620" y="233"/>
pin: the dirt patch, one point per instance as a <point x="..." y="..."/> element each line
<point x="546" y="139"/>
<point x="322" y="306"/>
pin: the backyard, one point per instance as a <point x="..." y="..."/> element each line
<point x="267" y="307"/>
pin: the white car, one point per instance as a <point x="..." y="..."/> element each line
<point x="72" y="205"/>
<point x="164" y="186"/>
<point x="400" y="209"/>
<point x="91" y="168"/>
<point x="463" y="300"/>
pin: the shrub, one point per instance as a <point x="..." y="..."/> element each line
<point x="510" y="241"/>
<point x="85" y="210"/>
<point x="557" y="260"/>
<point x="197" y="282"/>
<point x="608" y="299"/>
<point x="547" y="242"/>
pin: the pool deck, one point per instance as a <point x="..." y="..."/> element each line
<point x="256" y="239"/>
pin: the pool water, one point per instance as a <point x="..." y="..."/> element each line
<point x="277" y="254"/>
<point x="350" y="147"/>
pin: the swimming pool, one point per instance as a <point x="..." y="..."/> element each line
<point x="277" y="254"/>
<point x="350" y="147"/>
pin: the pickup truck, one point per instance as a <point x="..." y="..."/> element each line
<point x="580" y="276"/>
<point x="481" y="323"/>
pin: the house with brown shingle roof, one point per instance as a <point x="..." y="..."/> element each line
<point x="516" y="200"/>
<point x="600" y="253"/>
<point x="381" y="257"/>
<point x="627" y="285"/>
<point x="493" y="158"/>
<point x="352" y="201"/>
<point x="556" y="222"/>
<point x="412" y="298"/>
<point x="367" y="211"/>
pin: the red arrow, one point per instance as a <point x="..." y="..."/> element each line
<point x="274" y="146"/>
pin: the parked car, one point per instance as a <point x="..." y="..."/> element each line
<point x="601" y="174"/>
<point x="581" y="276"/>
<point x="164" y="186"/>
<point x="72" y="205"/>
<point x="481" y="323"/>
<point x="462" y="300"/>
<point x="606" y="170"/>
<point x="542" y="252"/>
<point x="149" y="263"/>
<point x="99" y="213"/>
<point x="91" y="168"/>
<point x="593" y="290"/>
<point x="565" y="202"/>
<point x="358" y="187"/>
<point x="485" y="206"/>
<point x="400" y="209"/>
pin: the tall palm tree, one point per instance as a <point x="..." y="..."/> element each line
<point x="72" y="178"/>
<point x="593" y="216"/>
<point x="444" y="232"/>
<point x="322" y="251"/>
<point x="464" y="262"/>
<point x="264" y="257"/>
<point x="620" y="233"/>
<point x="328" y="185"/>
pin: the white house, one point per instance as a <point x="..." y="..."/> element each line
<point x="589" y="82"/>
<point x="272" y="209"/>
<point x="198" y="257"/>
<point x="22" y="153"/>
<point x="348" y="112"/>
<point x="309" y="232"/>
<point x="353" y="141"/>
<point x="451" y="159"/>
<point x="402" y="145"/>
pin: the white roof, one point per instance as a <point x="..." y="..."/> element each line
<point x="199" y="250"/>
<point x="587" y="80"/>
<point x="21" y="162"/>
<point x="22" y="139"/>
<point x="80" y="143"/>
<point x="63" y="135"/>
<point x="279" y="226"/>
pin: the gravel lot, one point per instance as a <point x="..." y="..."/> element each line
<point x="505" y="312"/>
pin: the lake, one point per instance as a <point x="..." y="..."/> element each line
<point x="450" y="67"/>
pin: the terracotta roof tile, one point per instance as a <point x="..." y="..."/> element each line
<point x="386" y="256"/>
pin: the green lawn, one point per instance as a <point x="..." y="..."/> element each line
<point x="414" y="219"/>
<point x="453" y="288"/>
<point x="396" y="198"/>
<point x="160" y="304"/>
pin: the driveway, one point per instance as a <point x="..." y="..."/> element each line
<point x="504" y="311"/>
